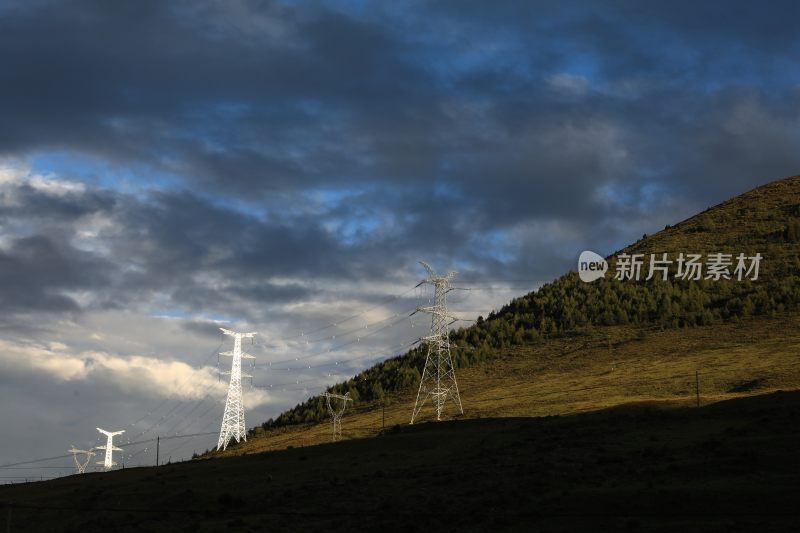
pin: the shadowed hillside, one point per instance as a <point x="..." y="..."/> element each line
<point x="730" y="466"/>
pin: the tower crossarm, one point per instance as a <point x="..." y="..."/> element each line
<point x="230" y="353"/>
<point x="235" y="334"/>
<point x="438" y="311"/>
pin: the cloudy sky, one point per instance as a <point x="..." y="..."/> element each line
<point x="169" y="167"/>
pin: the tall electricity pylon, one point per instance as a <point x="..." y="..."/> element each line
<point x="108" y="461"/>
<point x="336" y="414"/>
<point x="81" y="467"/>
<point x="439" y="376"/>
<point x="233" y="419"/>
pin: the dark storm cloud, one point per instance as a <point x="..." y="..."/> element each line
<point x="191" y="233"/>
<point x="490" y="135"/>
<point x="167" y="251"/>
<point x="258" y="97"/>
<point x="36" y="272"/>
<point x="28" y="202"/>
<point x="161" y="246"/>
<point x="148" y="81"/>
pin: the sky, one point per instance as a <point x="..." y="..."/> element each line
<point x="167" y="168"/>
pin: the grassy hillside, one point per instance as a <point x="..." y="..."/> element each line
<point x="765" y="220"/>
<point x="730" y="466"/>
<point x="598" y="368"/>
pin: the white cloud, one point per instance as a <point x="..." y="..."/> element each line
<point x="51" y="185"/>
<point x="147" y="376"/>
<point x="11" y="173"/>
<point x="15" y="173"/>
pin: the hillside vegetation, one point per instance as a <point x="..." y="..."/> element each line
<point x="765" y="220"/>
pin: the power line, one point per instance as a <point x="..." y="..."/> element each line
<point x="167" y="435"/>
<point x="336" y="363"/>
<point x="42" y="460"/>
<point x="333" y="336"/>
<point x="495" y="288"/>
<point x="347" y="319"/>
<point x="163" y="402"/>
<point x="202" y="434"/>
<point x="274" y="364"/>
<point x="37" y="467"/>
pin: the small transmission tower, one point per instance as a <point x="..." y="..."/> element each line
<point x="439" y="375"/>
<point x="81" y="466"/>
<point x="336" y="414"/>
<point x="108" y="461"/>
<point x="233" y="419"/>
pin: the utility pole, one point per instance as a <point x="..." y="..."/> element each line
<point x="233" y="419"/>
<point x="697" y="386"/>
<point x="439" y="375"/>
<point x="336" y="414"/>
<point x="108" y="461"/>
<point x="158" y="447"/>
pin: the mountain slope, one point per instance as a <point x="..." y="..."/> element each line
<point x="611" y="366"/>
<point x="765" y="220"/>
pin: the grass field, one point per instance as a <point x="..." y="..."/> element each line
<point x="596" y="369"/>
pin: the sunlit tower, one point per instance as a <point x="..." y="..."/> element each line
<point x="108" y="461"/>
<point x="338" y="412"/>
<point x="233" y="419"/>
<point x="439" y="375"/>
<point x="81" y="466"/>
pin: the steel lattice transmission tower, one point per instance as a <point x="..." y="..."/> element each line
<point x="81" y="467"/>
<point x="233" y="419"/>
<point x="337" y="414"/>
<point x="108" y="461"/>
<point x="439" y="375"/>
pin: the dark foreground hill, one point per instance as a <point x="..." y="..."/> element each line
<point x="729" y="466"/>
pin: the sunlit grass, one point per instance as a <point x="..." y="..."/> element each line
<point x="596" y="369"/>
